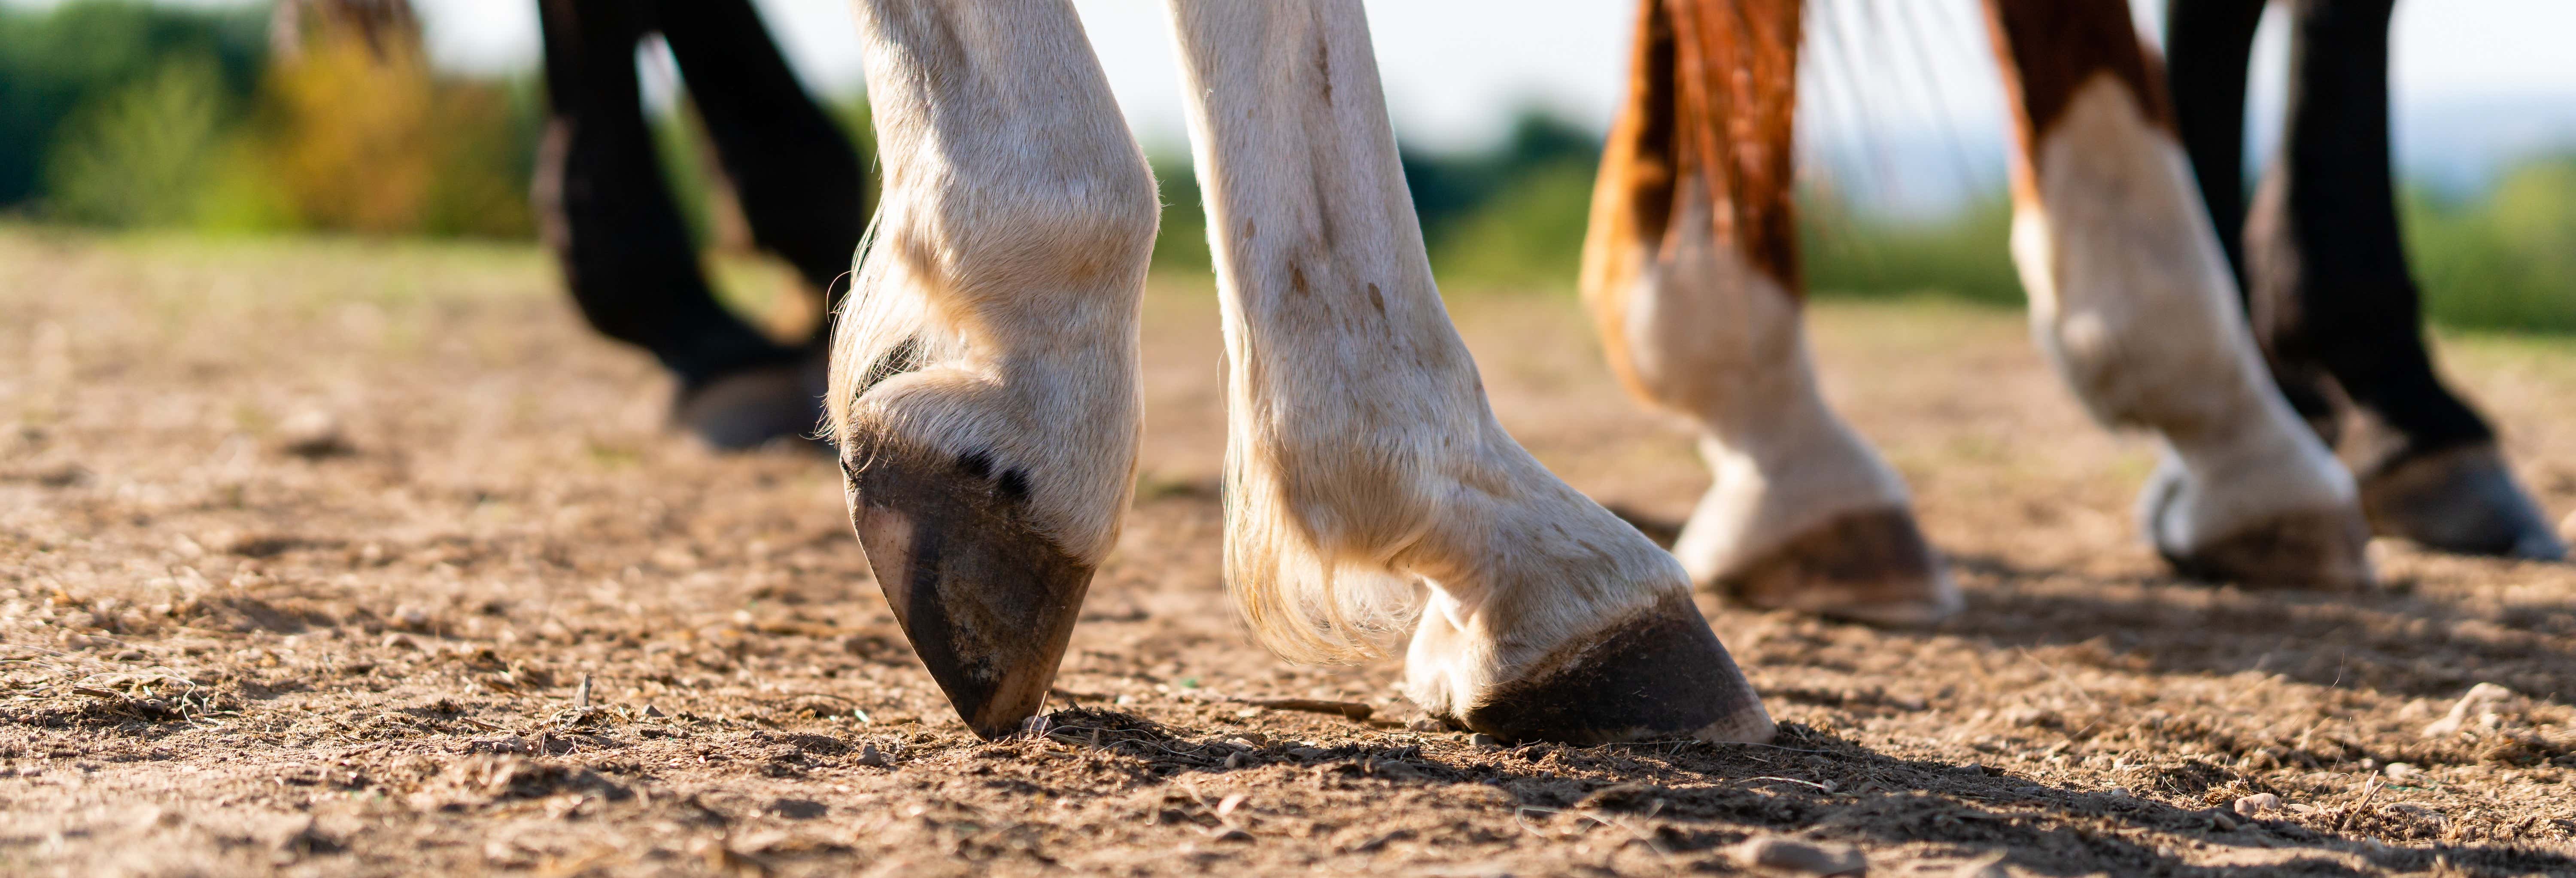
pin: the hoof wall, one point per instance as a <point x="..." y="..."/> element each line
<point x="2461" y="500"/>
<point x="2320" y="549"/>
<point x="1658" y="674"/>
<point x="987" y="601"/>
<point x="1872" y="567"/>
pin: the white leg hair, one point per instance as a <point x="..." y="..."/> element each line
<point x="1709" y="337"/>
<point x="1362" y="457"/>
<point x="984" y="374"/>
<point x="1008" y="260"/>
<point x="2132" y="300"/>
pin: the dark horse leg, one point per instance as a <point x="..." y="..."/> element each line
<point x="608" y="213"/>
<point x="2332" y="299"/>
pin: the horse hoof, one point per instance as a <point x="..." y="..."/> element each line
<point x="2321" y="548"/>
<point x="2461" y="500"/>
<point x="1658" y="673"/>
<point x="987" y="600"/>
<point x="749" y="408"/>
<point x="1871" y="566"/>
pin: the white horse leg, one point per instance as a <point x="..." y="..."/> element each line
<point x="984" y="373"/>
<point x="2132" y="299"/>
<point x="1691" y="272"/>
<point x="1363" y="460"/>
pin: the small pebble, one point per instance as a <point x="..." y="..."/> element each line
<point x="2482" y="699"/>
<point x="2257" y="804"/>
<point x="1990" y="867"/>
<point x="1481" y="739"/>
<point x="312" y="433"/>
<point x="1775" y="852"/>
<point x="871" y="757"/>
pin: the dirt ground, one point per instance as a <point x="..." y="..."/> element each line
<point x="307" y="551"/>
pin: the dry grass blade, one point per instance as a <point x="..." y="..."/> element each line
<point x="1351" y="709"/>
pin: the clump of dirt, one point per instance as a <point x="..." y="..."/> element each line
<point x="499" y="621"/>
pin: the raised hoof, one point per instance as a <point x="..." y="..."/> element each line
<point x="1657" y="674"/>
<point x="749" y="408"/>
<point x="2321" y="549"/>
<point x="1871" y="566"/>
<point x="2460" y="500"/>
<point x="986" y="599"/>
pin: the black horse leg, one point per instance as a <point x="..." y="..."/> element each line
<point x="793" y="169"/>
<point x="2336" y="306"/>
<point x="607" y="213"/>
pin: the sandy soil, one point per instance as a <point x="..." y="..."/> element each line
<point x="307" y="549"/>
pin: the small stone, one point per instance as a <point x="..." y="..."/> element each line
<point x="2482" y="699"/>
<point x="654" y="712"/>
<point x="1969" y="768"/>
<point x="1486" y="741"/>
<point x="1232" y="834"/>
<point x="2401" y="772"/>
<point x="2257" y="804"/>
<point x="1990" y="867"/>
<point x="1427" y="724"/>
<point x="799" y="809"/>
<point x="870" y="756"/>
<point x="312" y="434"/>
<point x="398" y="641"/>
<point x="1775" y="852"/>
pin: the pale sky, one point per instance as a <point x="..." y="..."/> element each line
<point x="1457" y="69"/>
<point x="2473" y="76"/>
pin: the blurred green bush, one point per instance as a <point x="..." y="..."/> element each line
<point x="59" y="62"/>
<point x="126" y="114"/>
<point x="2504" y="259"/>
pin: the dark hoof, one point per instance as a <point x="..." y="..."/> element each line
<point x="987" y="601"/>
<point x="1658" y="674"/>
<point x="2460" y="500"/>
<point x="1872" y="566"/>
<point x="2321" y="549"/>
<point x="752" y="407"/>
